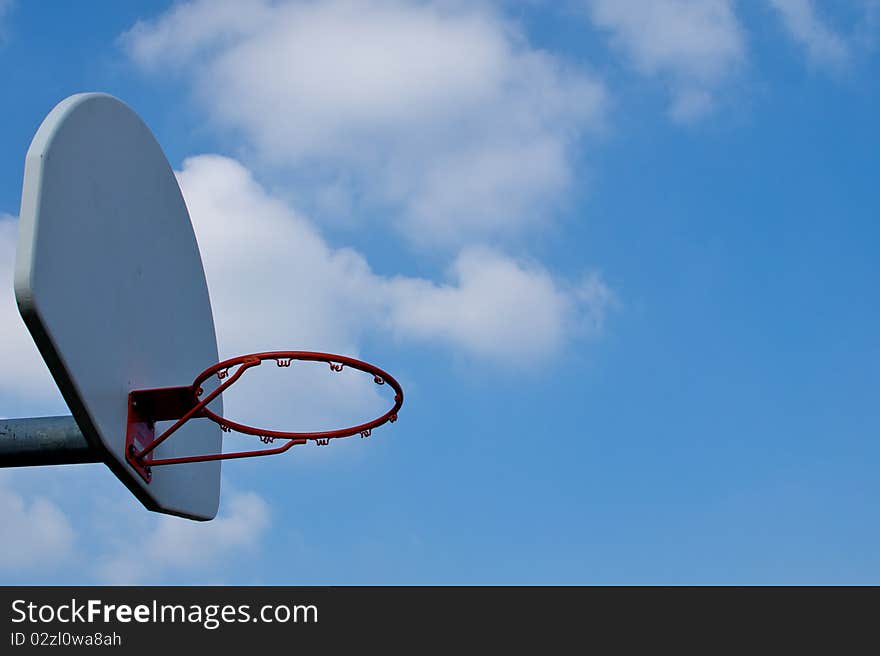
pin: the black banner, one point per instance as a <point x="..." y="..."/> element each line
<point x="147" y="619"/>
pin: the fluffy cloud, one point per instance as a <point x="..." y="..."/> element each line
<point x="52" y="532"/>
<point x="497" y="307"/>
<point x="276" y="283"/>
<point x="823" y="46"/>
<point x="37" y="535"/>
<point x="693" y="44"/>
<point x="169" y="546"/>
<point x="5" y="7"/>
<point x="439" y="114"/>
<point x="31" y="383"/>
<point x="275" y="280"/>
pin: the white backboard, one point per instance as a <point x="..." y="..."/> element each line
<point x="110" y="283"/>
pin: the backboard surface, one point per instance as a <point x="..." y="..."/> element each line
<point x="110" y="283"/>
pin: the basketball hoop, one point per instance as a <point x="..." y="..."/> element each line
<point x="105" y="238"/>
<point x="182" y="404"/>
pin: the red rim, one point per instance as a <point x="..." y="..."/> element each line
<point x="284" y="359"/>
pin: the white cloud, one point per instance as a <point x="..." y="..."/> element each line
<point x="115" y="539"/>
<point x="31" y="380"/>
<point x="869" y="28"/>
<point x="277" y="284"/>
<point x="692" y="44"/>
<point x="438" y="113"/>
<point x="824" y="47"/>
<point x="275" y="281"/>
<point x="5" y="8"/>
<point x="494" y="306"/>
<point x="36" y="535"/>
<point x="171" y="547"/>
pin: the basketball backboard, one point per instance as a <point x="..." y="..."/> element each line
<point x="110" y="283"/>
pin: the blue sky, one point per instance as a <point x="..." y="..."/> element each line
<point x="618" y="253"/>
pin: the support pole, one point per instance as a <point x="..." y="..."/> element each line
<point x="43" y="441"/>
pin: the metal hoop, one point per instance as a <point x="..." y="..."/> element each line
<point x="185" y="403"/>
<point x="245" y="362"/>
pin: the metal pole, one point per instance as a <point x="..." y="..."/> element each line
<point x="43" y="441"/>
